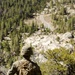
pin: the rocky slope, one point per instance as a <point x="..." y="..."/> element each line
<point x="42" y="43"/>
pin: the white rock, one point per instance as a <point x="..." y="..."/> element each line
<point x="7" y="38"/>
<point x="67" y="35"/>
<point x="42" y="43"/>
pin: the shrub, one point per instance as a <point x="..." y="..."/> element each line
<point x="60" y="62"/>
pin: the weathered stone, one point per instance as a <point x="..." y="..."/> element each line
<point x="25" y="66"/>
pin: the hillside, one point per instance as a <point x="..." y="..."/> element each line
<point x="12" y="16"/>
<point x="47" y="25"/>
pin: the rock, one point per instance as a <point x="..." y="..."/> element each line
<point x="39" y="58"/>
<point x="24" y="67"/>
<point x="3" y="70"/>
<point x="7" y="38"/>
<point x="67" y="35"/>
<point x="43" y="43"/>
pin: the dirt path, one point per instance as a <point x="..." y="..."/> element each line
<point x="41" y="19"/>
<point x="46" y="24"/>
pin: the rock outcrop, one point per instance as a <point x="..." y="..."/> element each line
<point x="43" y="43"/>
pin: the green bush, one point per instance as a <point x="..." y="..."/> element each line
<point x="60" y="62"/>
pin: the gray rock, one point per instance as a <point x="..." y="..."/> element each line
<point x="3" y="70"/>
